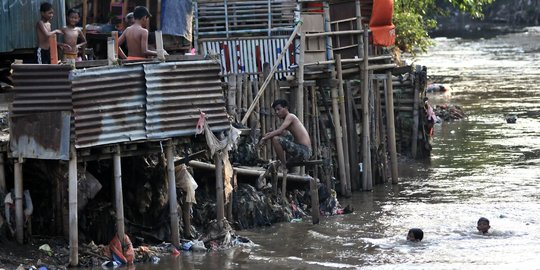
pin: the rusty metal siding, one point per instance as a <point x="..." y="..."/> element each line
<point x="108" y="105"/>
<point x="18" y="22"/>
<point x="41" y="88"/>
<point x="176" y="94"/>
<point x="40" y="135"/>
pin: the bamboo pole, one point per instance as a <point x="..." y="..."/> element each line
<point x="173" y="204"/>
<point x="390" y="126"/>
<point x="119" y="200"/>
<point x="272" y="71"/>
<point x="315" y="212"/>
<point x="124" y="9"/>
<point x="343" y="121"/>
<point x="339" y="143"/>
<point x="366" y="149"/>
<point x="383" y="136"/>
<point x="2" y="174"/>
<point x="358" y="13"/>
<point x="114" y="35"/>
<point x="220" y="202"/>
<point x="300" y="77"/>
<point x="414" y="137"/>
<point x="85" y="14"/>
<point x="239" y="88"/>
<point x="231" y="96"/>
<point x="353" y="138"/>
<point x="186" y="218"/>
<point x="158" y="16"/>
<point x="248" y="172"/>
<point x="284" y="185"/>
<point x="73" y="218"/>
<point x="19" y="211"/>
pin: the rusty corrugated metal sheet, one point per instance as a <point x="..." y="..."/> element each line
<point x="108" y="105"/>
<point x="18" y="22"/>
<point x="177" y="92"/>
<point x="41" y="88"/>
<point x="40" y="135"/>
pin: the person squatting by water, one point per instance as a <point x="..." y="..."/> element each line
<point x="483" y="225"/>
<point x="297" y="143"/>
<point x="415" y="235"/>
<point x="43" y="32"/>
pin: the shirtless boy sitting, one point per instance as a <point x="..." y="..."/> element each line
<point x="136" y="36"/>
<point x="297" y="146"/>
<point x="43" y="31"/>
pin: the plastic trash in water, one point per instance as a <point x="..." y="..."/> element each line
<point x="110" y="264"/>
<point x="187" y="245"/>
<point x="46" y="248"/>
<point x="198" y="246"/>
<point x="296" y="220"/>
<point x="154" y="259"/>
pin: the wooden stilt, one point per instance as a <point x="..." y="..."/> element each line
<point x="314" y="201"/>
<point x="390" y="127"/>
<point x="2" y="174"/>
<point x="73" y="218"/>
<point x="366" y="148"/>
<point x="219" y="188"/>
<point x="284" y="185"/>
<point x="353" y="138"/>
<point x="231" y="96"/>
<point x="19" y="211"/>
<point x="53" y="47"/>
<point x="239" y="89"/>
<point x="300" y="78"/>
<point x="414" y="137"/>
<point x="343" y="122"/>
<point x="339" y="143"/>
<point x="119" y="200"/>
<point x="186" y="218"/>
<point x="173" y="204"/>
<point x="247" y="172"/>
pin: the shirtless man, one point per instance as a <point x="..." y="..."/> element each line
<point x="137" y="36"/>
<point x="72" y="34"/>
<point x="298" y="149"/>
<point x="43" y="30"/>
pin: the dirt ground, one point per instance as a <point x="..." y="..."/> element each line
<point x="12" y="255"/>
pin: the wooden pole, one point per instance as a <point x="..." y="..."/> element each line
<point x="246" y="171"/>
<point x="339" y="143"/>
<point x="272" y="71"/>
<point x="239" y="88"/>
<point x="73" y="218"/>
<point x="2" y="174"/>
<point x="300" y="77"/>
<point x="366" y="149"/>
<point x="85" y="15"/>
<point x="173" y="204"/>
<point x="53" y="49"/>
<point x="414" y="138"/>
<point x="114" y="35"/>
<point x="231" y="96"/>
<point x="158" y="16"/>
<point x="343" y="121"/>
<point x="353" y="138"/>
<point x="19" y="211"/>
<point x="220" y="202"/>
<point x="314" y="200"/>
<point x="159" y="45"/>
<point x="186" y="218"/>
<point x="124" y="9"/>
<point x="359" y="27"/>
<point x="284" y="185"/>
<point x="119" y="200"/>
<point x="390" y="127"/>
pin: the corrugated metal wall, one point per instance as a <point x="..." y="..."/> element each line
<point x="41" y="88"/>
<point x="108" y="105"/>
<point x="177" y="93"/>
<point x="18" y="22"/>
<point x="249" y="55"/>
<point x="121" y="104"/>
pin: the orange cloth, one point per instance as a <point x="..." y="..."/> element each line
<point x="381" y="25"/>
<point x="136" y="58"/>
<point x="124" y="253"/>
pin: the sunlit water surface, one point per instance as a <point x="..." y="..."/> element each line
<point x="480" y="166"/>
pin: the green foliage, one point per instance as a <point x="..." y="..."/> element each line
<point x="414" y="18"/>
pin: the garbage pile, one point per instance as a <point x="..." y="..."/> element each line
<point x="448" y="112"/>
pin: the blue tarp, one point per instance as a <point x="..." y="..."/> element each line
<point x="177" y="18"/>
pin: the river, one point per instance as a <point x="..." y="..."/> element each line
<point x="480" y="167"/>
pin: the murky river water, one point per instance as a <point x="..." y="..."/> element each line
<point x="480" y="166"/>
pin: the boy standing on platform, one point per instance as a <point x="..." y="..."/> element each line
<point x="137" y="36"/>
<point x="43" y="31"/>
<point x="72" y="34"/>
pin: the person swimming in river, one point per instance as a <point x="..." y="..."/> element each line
<point x="483" y="225"/>
<point x="415" y="235"/>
